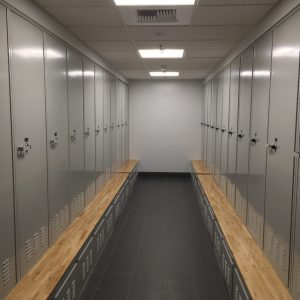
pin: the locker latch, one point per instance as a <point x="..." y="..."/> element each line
<point x="274" y="147"/>
<point x="73" y="136"/>
<point x="54" y="141"/>
<point x="87" y="132"/>
<point x="97" y="130"/>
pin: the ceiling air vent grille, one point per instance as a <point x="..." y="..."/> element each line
<point x="157" y="16"/>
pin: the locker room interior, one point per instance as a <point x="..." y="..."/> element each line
<point x="149" y="149"/>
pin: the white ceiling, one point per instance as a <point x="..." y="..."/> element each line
<point x="215" y="28"/>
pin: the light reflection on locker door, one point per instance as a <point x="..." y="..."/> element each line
<point x="57" y="136"/>
<point x="232" y="129"/>
<point x="126" y="122"/>
<point x="27" y="71"/>
<point x="213" y="125"/>
<point x="99" y="105"/>
<point x="89" y="131"/>
<point x="281" y="141"/>
<point x="7" y="226"/>
<point x="76" y="143"/>
<point x="113" y="124"/>
<point x="258" y="138"/>
<point x="119" y="122"/>
<point x="243" y="133"/>
<point x="208" y="123"/>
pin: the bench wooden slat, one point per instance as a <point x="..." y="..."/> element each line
<point x="40" y="282"/>
<point x="260" y="278"/>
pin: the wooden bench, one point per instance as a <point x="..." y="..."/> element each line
<point x="42" y="282"/>
<point x="258" y="277"/>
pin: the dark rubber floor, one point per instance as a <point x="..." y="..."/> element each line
<point x="160" y="249"/>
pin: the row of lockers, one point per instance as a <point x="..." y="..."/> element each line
<point x="233" y="279"/>
<point x="63" y="132"/>
<point x="73" y="282"/>
<point x="250" y="138"/>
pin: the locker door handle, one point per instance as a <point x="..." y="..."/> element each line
<point x="212" y="127"/>
<point x="253" y="140"/>
<point x="217" y="128"/>
<point x="273" y="147"/>
<point x="97" y="130"/>
<point x="230" y="132"/>
<point x="20" y="151"/>
<point x="74" y="135"/>
<point x="240" y="135"/>
<point x="223" y="130"/>
<point x="87" y="132"/>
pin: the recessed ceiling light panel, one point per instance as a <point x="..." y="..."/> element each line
<point x="153" y="2"/>
<point x="161" y="53"/>
<point x="164" y="74"/>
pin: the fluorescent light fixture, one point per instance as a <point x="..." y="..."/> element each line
<point x="164" y="74"/>
<point x="161" y="53"/>
<point x="153" y="2"/>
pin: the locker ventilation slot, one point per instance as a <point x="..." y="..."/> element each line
<point x="276" y="251"/>
<point x="91" y="258"/>
<point x="36" y="243"/>
<point x="43" y="236"/>
<point x="255" y="223"/>
<point x="237" y="293"/>
<point x="240" y="204"/>
<point x="5" y="272"/>
<point x="231" y="192"/>
<point x="73" y="289"/>
<point x="298" y="282"/>
<point x="28" y="250"/>
<point x="68" y="294"/>
<point x="83" y="270"/>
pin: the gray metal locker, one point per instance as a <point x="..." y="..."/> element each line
<point x="123" y="126"/>
<point x="210" y="222"/>
<point x="7" y="226"/>
<point x="281" y="142"/>
<point x="89" y="131"/>
<point x="76" y="126"/>
<point x="295" y="259"/>
<point x="224" y="130"/>
<point x="202" y="129"/>
<point x="57" y="136"/>
<point x="227" y="267"/>
<point x="126" y="122"/>
<point x="106" y="128"/>
<point x="113" y="125"/>
<point x="99" y="114"/>
<point x="99" y="238"/>
<point x="86" y="261"/>
<point x="70" y="288"/>
<point x="258" y="138"/>
<point x="119" y="122"/>
<point x="117" y="207"/>
<point x="218" y="126"/>
<point x="208" y="124"/>
<point x="232" y="129"/>
<point x="240" y="291"/>
<point x="243" y="133"/>
<point x="109" y="220"/>
<point x="218" y="242"/>
<point x="29" y="149"/>
<point x="213" y="125"/>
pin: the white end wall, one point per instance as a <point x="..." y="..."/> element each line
<point x="164" y="124"/>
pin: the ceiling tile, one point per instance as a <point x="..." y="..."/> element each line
<point x="229" y="15"/>
<point x="115" y="54"/>
<point x="218" y="32"/>
<point x="75" y="2"/>
<point x="99" y="33"/>
<point x="206" y="53"/>
<point x="135" y="74"/>
<point x="158" y="32"/>
<point x="110" y="45"/>
<point x="86" y="16"/>
<point x="212" y="45"/>
<point x="232" y="2"/>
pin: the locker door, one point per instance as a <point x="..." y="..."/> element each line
<point x="224" y="129"/>
<point x="89" y="131"/>
<point x="119" y="120"/>
<point x="281" y="138"/>
<point x="106" y="126"/>
<point x="213" y="125"/>
<point x="99" y="106"/>
<point x="126" y="122"/>
<point x="218" y="126"/>
<point x="232" y="130"/>
<point x="243" y="133"/>
<point x="123" y="126"/>
<point x="113" y="124"/>
<point x="208" y="123"/>
<point x="76" y="143"/>
<point x="7" y="226"/>
<point x="258" y="138"/>
<point x="295" y="265"/>
<point x="204" y="123"/>
<point x="57" y="136"/>
<point x="29" y="128"/>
